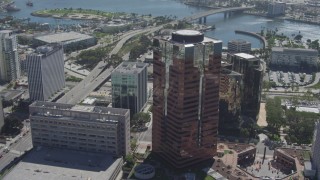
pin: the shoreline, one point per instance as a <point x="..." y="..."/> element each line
<point x="253" y="34"/>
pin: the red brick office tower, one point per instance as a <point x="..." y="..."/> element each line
<point x="186" y="97"/>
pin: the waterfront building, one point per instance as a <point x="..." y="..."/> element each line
<point x="129" y="86"/>
<point x="294" y="59"/>
<point x="45" y="72"/>
<point x="1" y="114"/>
<point x="315" y="150"/>
<point x="185" y="97"/>
<point x="70" y="40"/>
<point x="239" y="46"/>
<point x="9" y="60"/>
<point x="84" y="128"/>
<point x="276" y="9"/>
<point x="252" y="72"/>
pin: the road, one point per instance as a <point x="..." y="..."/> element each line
<point x="97" y="76"/>
<point x="17" y="146"/>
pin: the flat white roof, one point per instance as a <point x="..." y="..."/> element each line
<point x="187" y="32"/>
<point x="50" y="164"/>
<point x="245" y="55"/>
<point x="63" y="37"/>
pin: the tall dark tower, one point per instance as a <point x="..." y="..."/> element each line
<point x="186" y="97"/>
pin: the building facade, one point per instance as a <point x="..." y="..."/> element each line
<point x="295" y="59"/>
<point x="239" y="46"/>
<point x="45" y="72"/>
<point x="84" y="128"/>
<point x="276" y="9"/>
<point x="252" y="73"/>
<point x="9" y="60"/>
<point x="186" y="97"/>
<point x="1" y="114"/>
<point x="316" y="149"/>
<point x="129" y="86"/>
<point x="230" y="93"/>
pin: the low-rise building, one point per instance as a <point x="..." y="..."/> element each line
<point x="294" y="59"/>
<point x="69" y="40"/>
<point x="84" y="128"/>
<point x="239" y="46"/>
<point x="52" y="163"/>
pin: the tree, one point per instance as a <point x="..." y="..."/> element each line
<point x="274" y="114"/>
<point x="140" y="119"/>
<point x="298" y="37"/>
<point x="129" y="160"/>
<point x="12" y="125"/>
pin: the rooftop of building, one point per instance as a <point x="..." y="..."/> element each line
<point x="239" y="41"/>
<point x="46" y="50"/>
<point x="79" y="108"/>
<point x="301" y="154"/>
<point x="49" y="163"/>
<point x="246" y="56"/>
<point x="281" y="49"/>
<point x="63" y="37"/>
<point x="189" y="35"/>
<point x="130" y="67"/>
<point x="230" y="72"/>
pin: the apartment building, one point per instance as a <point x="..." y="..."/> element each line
<point x="9" y="60"/>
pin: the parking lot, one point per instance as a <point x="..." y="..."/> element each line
<point x="288" y="78"/>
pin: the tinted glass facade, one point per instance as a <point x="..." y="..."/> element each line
<point x="186" y="99"/>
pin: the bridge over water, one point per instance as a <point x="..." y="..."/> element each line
<point x="215" y="11"/>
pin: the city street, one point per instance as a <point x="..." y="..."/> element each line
<point x="17" y="146"/>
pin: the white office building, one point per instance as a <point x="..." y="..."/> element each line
<point x="129" y="86"/>
<point x="9" y="60"/>
<point x="84" y="128"/>
<point x="316" y="149"/>
<point x="294" y="58"/>
<point x="239" y="46"/>
<point x="45" y="72"/>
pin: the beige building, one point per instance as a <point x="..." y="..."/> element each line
<point x="84" y="128"/>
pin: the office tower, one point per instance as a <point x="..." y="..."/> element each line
<point x="251" y="69"/>
<point x="45" y="72"/>
<point x="316" y="149"/>
<point x="1" y="114"/>
<point x="9" y="61"/>
<point x="129" y="86"/>
<point x="239" y="46"/>
<point x="276" y="9"/>
<point x="186" y="97"/>
<point x="231" y="87"/>
<point x="85" y="128"/>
